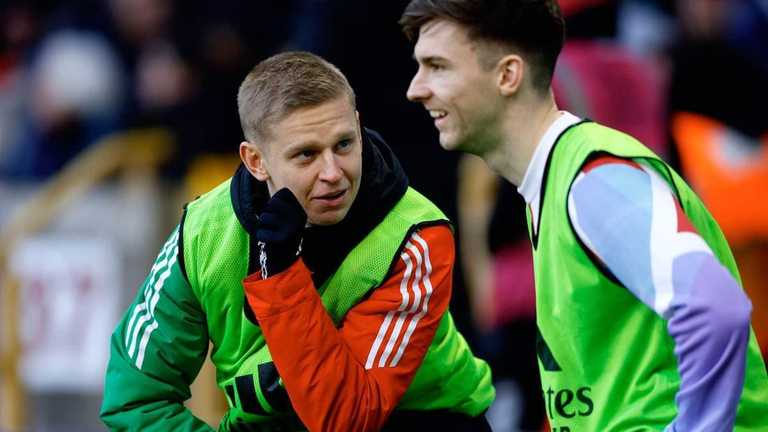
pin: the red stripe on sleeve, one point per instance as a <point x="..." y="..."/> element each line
<point x="607" y="160"/>
<point x="683" y="223"/>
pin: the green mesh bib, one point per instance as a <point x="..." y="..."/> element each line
<point x="606" y="360"/>
<point x="216" y="249"/>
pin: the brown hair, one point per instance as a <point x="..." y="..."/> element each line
<point x="534" y="27"/>
<point x="283" y="83"/>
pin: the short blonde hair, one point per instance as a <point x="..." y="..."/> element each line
<point x="283" y="83"/>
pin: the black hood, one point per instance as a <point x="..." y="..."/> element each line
<point x="382" y="184"/>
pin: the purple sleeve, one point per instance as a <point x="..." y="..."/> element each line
<point x="630" y="219"/>
<point x="709" y="321"/>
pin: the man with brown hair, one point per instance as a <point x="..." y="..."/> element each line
<point x="321" y="279"/>
<point x="642" y="320"/>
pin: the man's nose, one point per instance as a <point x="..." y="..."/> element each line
<point x="417" y="90"/>
<point x="331" y="170"/>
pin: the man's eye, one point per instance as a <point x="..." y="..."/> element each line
<point x="304" y="155"/>
<point x="343" y="144"/>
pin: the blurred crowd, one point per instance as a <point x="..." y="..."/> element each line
<point x="72" y="72"/>
<point x="687" y="77"/>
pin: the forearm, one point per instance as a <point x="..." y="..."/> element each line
<point x="322" y="391"/>
<point x="352" y="377"/>
<point x="709" y="322"/>
<point x="634" y="225"/>
<point x="134" y="401"/>
<point x="299" y="332"/>
<point x="155" y="352"/>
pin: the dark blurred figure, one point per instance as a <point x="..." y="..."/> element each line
<point x="221" y="40"/>
<point x="56" y="90"/>
<point x="19" y="26"/>
<point x="84" y="81"/>
<point x="720" y="66"/>
<point x="168" y="63"/>
<point x="73" y="100"/>
<point x="718" y="91"/>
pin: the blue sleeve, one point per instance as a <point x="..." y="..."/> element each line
<point x="629" y="218"/>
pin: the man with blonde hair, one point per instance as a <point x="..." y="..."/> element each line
<point x="321" y="279"/>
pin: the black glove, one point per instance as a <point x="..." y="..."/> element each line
<point x="281" y="225"/>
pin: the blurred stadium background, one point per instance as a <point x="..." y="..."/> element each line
<point x="114" y="113"/>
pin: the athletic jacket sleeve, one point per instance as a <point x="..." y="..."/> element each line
<point x="629" y="218"/>
<point x="157" y="350"/>
<point x="352" y="377"/>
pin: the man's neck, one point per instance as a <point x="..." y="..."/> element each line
<point x="522" y="130"/>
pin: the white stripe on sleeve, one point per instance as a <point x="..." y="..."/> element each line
<point x="388" y="319"/>
<point x="405" y="312"/>
<point x="415" y="292"/>
<point x="427" y="284"/>
<point x="144" y="311"/>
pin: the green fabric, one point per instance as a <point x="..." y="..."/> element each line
<point x="216" y="256"/>
<point x="146" y="392"/>
<point x="606" y="360"/>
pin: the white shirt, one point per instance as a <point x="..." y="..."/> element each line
<point x="530" y="187"/>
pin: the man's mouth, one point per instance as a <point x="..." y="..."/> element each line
<point x="437" y="114"/>
<point x="333" y="198"/>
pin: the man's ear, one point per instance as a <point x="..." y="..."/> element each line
<point x="253" y="159"/>
<point x="510" y="74"/>
<point x="359" y="126"/>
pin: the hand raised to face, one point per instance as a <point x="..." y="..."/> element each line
<point x="279" y="233"/>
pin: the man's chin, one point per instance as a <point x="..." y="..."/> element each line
<point x="328" y="217"/>
<point x="448" y="143"/>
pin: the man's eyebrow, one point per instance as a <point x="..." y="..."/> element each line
<point x="428" y="59"/>
<point x="299" y="146"/>
<point x="350" y="134"/>
<point x="311" y="144"/>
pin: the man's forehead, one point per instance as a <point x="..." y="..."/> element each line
<point x="447" y="40"/>
<point x="292" y="129"/>
<point x="438" y="35"/>
<point x="334" y="114"/>
<point x="308" y="134"/>
<point x="317" y="124"/>
<point x="443" y="28"/>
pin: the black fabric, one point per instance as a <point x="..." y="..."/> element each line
<point x="281" y="228"/>
<point x="230" y="390"/>
<point x="248" y="196"/>
<point x="238" y="427"/>
<point x="248" y="312"/>
<point x="246" y="392"/>
<point x="273" y="392"/>
<point x="545" y="354"/>
<point x="382" y="185"/>
<point x="180" y="245"/>
<point x="507" y="225"/>
<point x="421" y="421"/>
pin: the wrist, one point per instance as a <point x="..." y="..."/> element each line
<point x="276" y="258"/>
